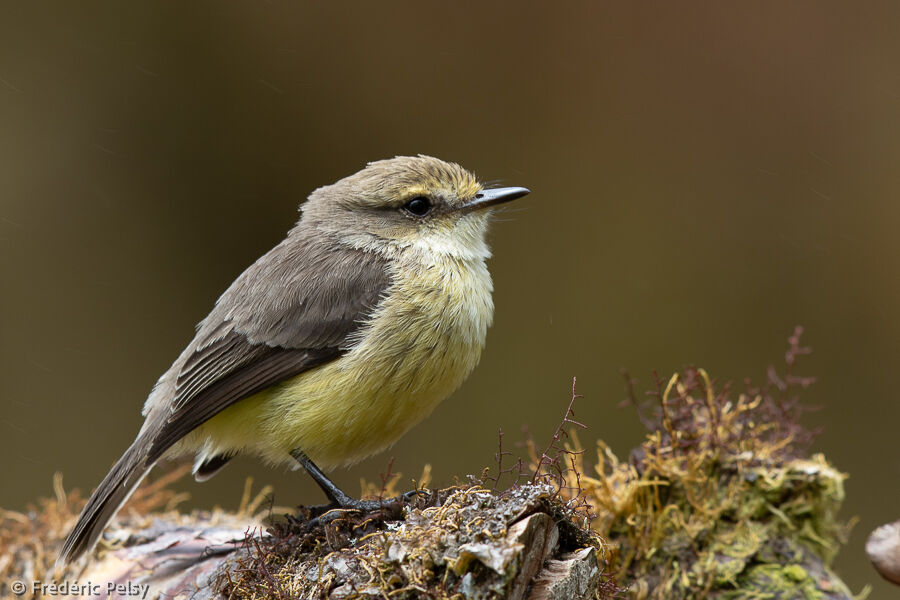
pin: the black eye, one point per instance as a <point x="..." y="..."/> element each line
<point x="418" y="206"/>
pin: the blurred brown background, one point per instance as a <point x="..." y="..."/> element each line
<point x="703" y="180"/>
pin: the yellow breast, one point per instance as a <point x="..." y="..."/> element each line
<point x="416" y="349"/>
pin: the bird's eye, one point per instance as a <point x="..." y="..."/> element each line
<point x="418" y="206"/>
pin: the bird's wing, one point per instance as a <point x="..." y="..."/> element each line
<point x="289" y="312"/>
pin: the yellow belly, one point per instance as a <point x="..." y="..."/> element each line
<point x="418" y="347"/>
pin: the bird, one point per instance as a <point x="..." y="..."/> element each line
<point x="326" y="350"/>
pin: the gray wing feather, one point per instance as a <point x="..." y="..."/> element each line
<point x="289" y="312"/>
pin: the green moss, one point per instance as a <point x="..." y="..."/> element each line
<point x="719" y="502"/>
<point x="777" y="582"/>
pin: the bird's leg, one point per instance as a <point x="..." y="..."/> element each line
<point x="337" y="496"/>
<point x="389" y="509"/>
<point x="338" y="499"/>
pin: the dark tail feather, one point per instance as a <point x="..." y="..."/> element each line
<point x="106" y="500"/>
<point x="209" y="467"/>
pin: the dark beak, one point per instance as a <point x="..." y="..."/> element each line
<point x="488" y="198"/>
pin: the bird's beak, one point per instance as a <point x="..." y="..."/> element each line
<point x="488" y="198"/>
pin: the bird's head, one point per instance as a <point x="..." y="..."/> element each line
<point x="409" y="202"/>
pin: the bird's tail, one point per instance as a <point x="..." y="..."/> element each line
<point x="106" y="500"/>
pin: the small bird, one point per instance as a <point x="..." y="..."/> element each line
<point x="327" y="349"/>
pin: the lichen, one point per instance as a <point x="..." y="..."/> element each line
<point x="455" y="544"/>
<point x="718" y="501"/>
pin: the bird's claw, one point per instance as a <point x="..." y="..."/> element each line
<point x="417" y="493"/>
<point x="326" y="513"/>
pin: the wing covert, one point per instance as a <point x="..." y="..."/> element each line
<point x="289" y="312"/>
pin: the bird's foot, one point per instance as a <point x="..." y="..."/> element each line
<point x="388" y="509"/>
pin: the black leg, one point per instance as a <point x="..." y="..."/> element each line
<point x="337" y="497"/>
<point x="339" y="500"/>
